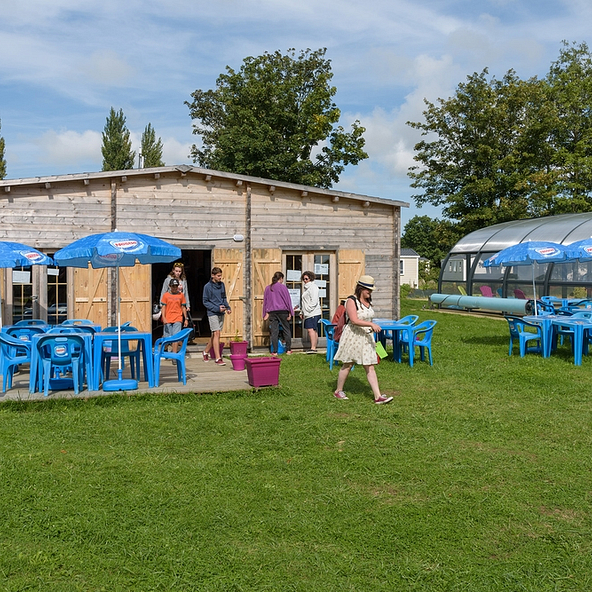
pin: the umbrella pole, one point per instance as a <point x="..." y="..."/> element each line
<point x="534" y="290"/>
<point x="119" y="370"/>
<point x="129" y="384"/>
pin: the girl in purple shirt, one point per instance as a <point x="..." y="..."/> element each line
<point x="278" y="310"/>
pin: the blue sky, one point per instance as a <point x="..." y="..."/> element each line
<point x="65" y="63"/>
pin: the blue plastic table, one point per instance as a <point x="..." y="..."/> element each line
<point x="144" y="343"/>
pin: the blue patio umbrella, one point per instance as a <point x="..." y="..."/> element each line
<point x="528" y="253"/>
<point x="117" y="249"/>
<point x="18" y="255"/>
<point x="580" y="250"/>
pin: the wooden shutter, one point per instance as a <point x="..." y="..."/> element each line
<point x="135" y="289"/>
<point x="231" y="262"/>
<point x="351" y="265"/>
<point x="265" y="263"/>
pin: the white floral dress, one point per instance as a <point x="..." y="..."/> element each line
<point x="357" y="343"/>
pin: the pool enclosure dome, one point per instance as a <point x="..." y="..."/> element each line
<point x="463" y="271"/>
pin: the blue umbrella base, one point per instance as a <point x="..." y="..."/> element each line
<point x="120" y="384"/>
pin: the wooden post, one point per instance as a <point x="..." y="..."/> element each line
<point x="248" y="289"/>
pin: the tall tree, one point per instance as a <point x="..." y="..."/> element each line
<point x="117" y="146"/>
<point x="505" y="149"/>
<point x="430" y="237"/>
<point x="275" y="118"/>
<point x="2" y="159"/>
<point x="151" y="149"/>
<point x="477" y="160"/>
<point x="570" y="93"/>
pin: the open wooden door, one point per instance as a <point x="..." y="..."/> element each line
<point x="265" y="263"/>
<point x="93" y="289"/>
<point x="351" y="265"/>
<point x="231" y="262"/>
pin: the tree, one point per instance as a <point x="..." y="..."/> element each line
<point x="500" y="150"/>
<point x="2" y="160"/>
<point x="479" y="164"/>
<point x="275" y="118"/>
<point x="430" y="237"/>
<point x="117" y="146"/>
<point x="570" y="92"/>
<point x="151" y="149"/>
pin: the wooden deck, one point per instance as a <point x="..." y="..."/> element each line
<point x="202" y="377"/>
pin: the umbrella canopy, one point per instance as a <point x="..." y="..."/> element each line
<point x="19" y="255"/>
<point x="580" y="250"/>
<point x="529" y="253"/>
<point x="117" y="249"/>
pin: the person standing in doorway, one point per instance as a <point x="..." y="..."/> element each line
<point x="174" y="311"/>
<point x="178" y="273"/>
<point x="310" y="309"/>
<point x="278" y="310"/>
<point x="216" y="304"/>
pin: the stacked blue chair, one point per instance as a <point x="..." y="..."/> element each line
<point x="421" y="336"/>
<point x="160" y="353"/>
<point x="60" y="355"/>
<point x="13" y="353"/>
<point x="31" y="323"/>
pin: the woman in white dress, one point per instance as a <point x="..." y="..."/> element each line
<point x="357" y="345"/>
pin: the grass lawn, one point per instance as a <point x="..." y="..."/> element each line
<point x="477" y="477"/>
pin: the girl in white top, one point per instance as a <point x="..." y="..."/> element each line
<point x="311" y="309"/>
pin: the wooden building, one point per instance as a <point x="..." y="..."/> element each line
<point x="250" y="227"/>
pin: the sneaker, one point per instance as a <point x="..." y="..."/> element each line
<point x="311" y="351"/>
<point x="206" y="358"/>
<point x="383" y="400"/>
<point x="220" y="362"/>
<point x="340" y="395"/>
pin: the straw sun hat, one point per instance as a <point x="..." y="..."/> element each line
<point x="366" y="281"/>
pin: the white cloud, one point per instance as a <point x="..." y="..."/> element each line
<point x="69" y="148"/>
<point x="175" y="152"/>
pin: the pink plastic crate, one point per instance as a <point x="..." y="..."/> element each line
<point x="263" y="371"/>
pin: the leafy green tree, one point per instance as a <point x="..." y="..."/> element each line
<point x="275" y="118"/>
<point x="570" y="93"/>
<point x="117" y="146"/>
<point x="505" y="149"/>
<point x="430" y="237"/>
<point x="478" y="160"/>
<point x="2" y="159"/>
<point x="151" y="149"/>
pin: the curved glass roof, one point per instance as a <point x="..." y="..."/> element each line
<point x="563" y="229"/>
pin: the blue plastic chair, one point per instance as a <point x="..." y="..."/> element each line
<point x="31" y="323"/>
<point x="524" y="332"/>
<point x="60" y="354"/>
<point x="110" y="351"/>
<point x="421" y="336"/>
<point x="332" y="345"/>
<point x="13" y="353"/>
<point x="409" y="320"/>
<point x="25" y="333"/>
<point x="160" y="353"/>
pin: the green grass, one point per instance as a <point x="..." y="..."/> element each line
<point x="478" y="477"/>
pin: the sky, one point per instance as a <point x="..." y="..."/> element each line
<point x="65" y="63"/>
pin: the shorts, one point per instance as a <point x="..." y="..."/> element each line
<point x="312" y="323"/>
<point x="216" y="322"/>
<point x="171" y="328"/>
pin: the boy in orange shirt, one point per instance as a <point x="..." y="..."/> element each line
<point x="174" y="311"/>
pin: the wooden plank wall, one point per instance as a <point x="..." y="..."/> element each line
<point x="193" y="212"/>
